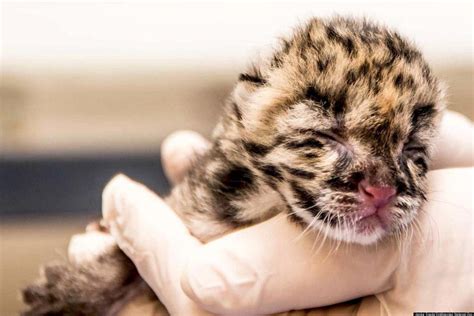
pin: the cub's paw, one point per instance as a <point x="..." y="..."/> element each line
<point x="91" y="288"/>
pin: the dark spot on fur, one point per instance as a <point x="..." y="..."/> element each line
<point x="396" y="135"/>
<point x="324" y="62"/>
<point x="356" y="177"/>
<point x="364" y="69"/>
<point x="379" y="74"/>
<point x="421" y="113"/>
<point x="317" y="96"/>
<point x="351" y="77"/>
<point x="310" y="155"/>
<point x="233" y="183"/>
<point x="235" y="180"/>
<point x="286" y="45"/>
<point x="390" y="44"/>
<point x="421" y="163"/>
<point x="277" y="61"/>
<point x="252" y="78"/>
<point x="401" y="82"/>
<point x="393" y="52"/>
<point x="317" y="46"/>
<point x="337" y="183"/>
<point x="305" y="199"/>
<point x="398" y="81"/>
<point x="349" y="46"/>
<point x="346" y="42"/>
<point x="300" y="173"/>
<point x="237" y="112"/>
<point x="376" y="88"/>
<point x="331" y="33"/>
<point x="400" y="185"/>
<point x="410" y="82"/>
<point x="374" y="81"/>
<point x="228" y="213"/>
<point x="271" y="171"/>
<point x="381" y="130"/>
<point x="339" y="106"/>
<point x="406" y="185"/>
<point x="293" y="217"/>
<point x="426" y="72"/>
<point x="256" y="149"/>
<point x="398" y="48"/>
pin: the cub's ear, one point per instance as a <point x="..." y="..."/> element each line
<point x="254" y="73"/>
<point x="249" y="82"/>
<point x="253" y="96"/>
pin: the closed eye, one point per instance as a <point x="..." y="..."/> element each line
<point x="414" y="149"/>
<point x="327" y="135"/>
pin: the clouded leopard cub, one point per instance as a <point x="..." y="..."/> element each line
<point x="335" y="127"/>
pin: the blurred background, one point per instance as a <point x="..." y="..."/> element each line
<point x="89" y="89"/>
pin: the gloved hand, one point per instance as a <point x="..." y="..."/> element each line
<point x="270" y="267"/>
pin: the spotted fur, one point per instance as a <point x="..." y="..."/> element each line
<point x="338" y="101"/>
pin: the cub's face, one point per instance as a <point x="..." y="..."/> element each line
<point x="340" y="123"/>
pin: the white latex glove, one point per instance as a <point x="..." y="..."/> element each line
<point x="454" y="146"/>
<point x="153" y="236"/>
<point x="270" y="267"/>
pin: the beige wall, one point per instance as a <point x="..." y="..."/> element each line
<point x="106" y="111"/>
<point x="120" y="110"/>
<point x="107" y="76"/>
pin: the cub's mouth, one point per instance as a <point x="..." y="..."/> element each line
<point x="369" y="215"/>
<point x="374" y="221"/>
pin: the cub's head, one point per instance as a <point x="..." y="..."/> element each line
<point x="339" y="121"/>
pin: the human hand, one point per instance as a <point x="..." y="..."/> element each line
<point x="454" y="146"/>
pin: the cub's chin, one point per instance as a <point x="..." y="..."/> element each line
<point x="366" y="234"/>
<point x="370" y="225"/>
<point x="368" y="230"/>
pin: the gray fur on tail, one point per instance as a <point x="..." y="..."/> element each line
<point x="98" y="288"/>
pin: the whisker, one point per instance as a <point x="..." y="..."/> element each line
<point x="306" y="229"/>
<point x="325" y="235"/>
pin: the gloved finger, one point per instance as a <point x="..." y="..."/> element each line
<point x="454" y="146"/>
<point x="440" y="257"/>
<point x="153" y="237"/>
<point x="271" y="267"/>
<point x="179" y="150"/>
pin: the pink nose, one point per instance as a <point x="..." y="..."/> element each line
<point x="378" y="196"/>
